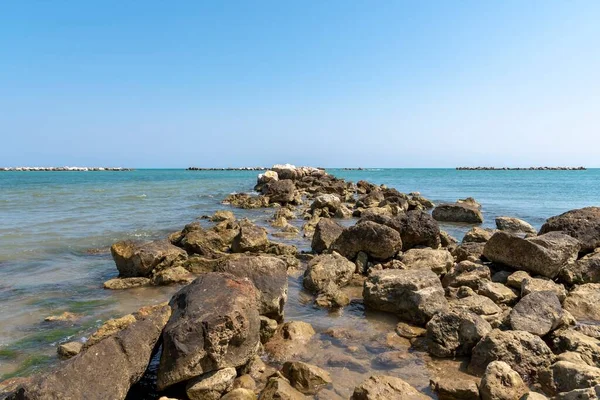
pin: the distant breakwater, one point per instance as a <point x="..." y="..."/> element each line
<point x="227" y="169"/>
<point x="521" y="169"/>
<point x="67" y="169"/>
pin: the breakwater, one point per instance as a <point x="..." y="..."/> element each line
<point x="521" y="168"/>
<point x="68" y="169"/>
<point x="227" y="169"/>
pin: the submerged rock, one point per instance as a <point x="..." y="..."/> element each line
<point x="214" y="325"/>
<point x="126" y="283"/>
<point x="289" y="340"/>
<point x="382" y="387"/>
<point x="582" y="224"/>
<point x="304" y="377"/>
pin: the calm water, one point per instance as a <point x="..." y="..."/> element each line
<point x="55" y="230"/>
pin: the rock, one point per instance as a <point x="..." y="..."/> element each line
<point x="532" y="285"/>
<point x="211" y="385"/>
<point x="109" y="328"/>
<point x="141" y="260"/>
<point x="584" y="270"/>
<point x="250" y="238"/>
<point x="544" y="255"/>
<point x="332" y="297"/>
<point x="468" y="251"/>
<point x="451" y="333"/>
<point x="525" y="353"/>
<point x="246" y="201"/>
<point x="592" y="393"/>
<point x="477" y="304"/>
<point x="470" y="202"/>
<point x="347" y="362"/>
<point x="69" y="349"/>
<point x="478" y="235"/>
<point x="538" y="313"/>
<point x="515" y="280"/>
<point x="584" y="302"/>
<point x="107" y="369"/>
<point x="206" y="243"/>
<point x="418" y="228"/>
<point x="439" y="261"/>
<point x="281" y="191"/>
<point x="447" y="241"/>
<point x="289" y="340"/>
<point x="466" y="273"/>
<point x="214" y="325"/>
<point x="328" y="268"/>
<point x="582" y="224"/>
<point x="306" y="378"/>
<point x="571" y="340"/>
<point x="326" y="232"/>
<point x="222" y="215"/>
<point x="268" y="327"/>
<point x="514" y="225"/>
<point x="378" y="241"/>
<point x="240" y="394"/>
<point x="497" y="292"/>
<point x="533" y="396"/>
<point x="126" y="283"/>
<point x="455" y="389"/>
<point x="371" y="199"/>
<point x="457" y="213"/>
<point x="331" y="202"/>
<point x="64" y="317"/>
<point x="408" y="331"/>
<point x="564" y="376"/>
<point x="172" y="276"/>
<point x="264" y="178"/>
<point x="501" y="382"/>
<point x="279" y="389"/>
<point x="414" y="295"/>
<point x="382" y="387"/>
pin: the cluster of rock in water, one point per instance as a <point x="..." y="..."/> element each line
<point x="522" y="306"/>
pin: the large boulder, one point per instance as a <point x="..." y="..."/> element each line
<point x="214" y="324"/>
<point x="455" y="333"/>
<point x="471" y="251"/>
<point x="584" y="270"/>
<point x="378" y="241"/>
<point x="467" y="273"/>
<point x="437" y="260"/>
<point x="326" y="232"/>
<point x="289" y="341"/>
<point x="571" y="340"/>
<point x="107" y="369"/>
<point x="328" y="268"/>
<point x="281" y="191"/>
<point x="514" y="225"/>
<point x="278" y="388"/>
<point x="538" y="313"/>
<point x="582" y="224"/>
<point x="269" y="275"/>
<point x="141" y="260"/>
<point x="525" y="353"/>
<point x="250" y="238"/>
<point x="543" y="255"/>
<point x="501" y="382"/>
<point x="211" y="385"/>
<point x="478" y="235"/>
<point x="383" y="387"/>
<point x="457" y="212"/>
<point x="418" y="228"/>
<point x="532" y="285"/>
<point x="565" y="376"/>
<point x="414" y="295"/>
<point x="584" y="302"/>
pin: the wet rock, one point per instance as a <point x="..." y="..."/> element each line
<point x="172" y="276"/>
<point x="470" y="202"/>
<point x="478" y="235"/>
<point x="382" y="387"/>
<point x="378" y="241"/>
<point x="141" y="260"/>
<point x="497" y="292"/>
<point x="279" y="389"/>
<point x="451" y="333"/>
<point x="69" y="349"/>
<point x="501" y="382"/>
<point x="326" y="232"/>
<point x="126" y="283"/>
<point x="538" y="313"/>
<point x="584" y="302"/>
<point x="281" y="191"/>
<point x="584" y="270"/>
<point x="514" y="225"/>
<point x="525" y="353"/>
<point x="269" y="275"/>
<point x="582" y="224"/>
<point x="544" y="255"/>
<point x="468" y="251"/>
<point x="571" y="340"/>
<point x="289" y="340"/>
<point x="210" y="386"/>
<point x="408" y="331"/>
<point x="304" y="377"/>
<point x="214" y="325"/>
<point x="532" y="285"/>
<point x="64" y="317"/>
<point x="332" y="297"/>
<point x="205" y="243"/>
<point x="457" y="212"/>
<point x="240" y="394"/>
<point x="564" y="376"/>
<point x="466" y="273"/>
<point x="439" y="261"/>
<point x="250" y="238"/>
<point x="106" y="370"/>
<point x="268" y="327"/>
<point x="328" y="268"/>
<point x="246" y="201"/>
<point x="455" y="389"/>
<point x="347" y="362"/>
<point x="414" y="295"/>
<point x="109" y="328"/>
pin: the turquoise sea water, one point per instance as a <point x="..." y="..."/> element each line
<point x="56" y="227"/>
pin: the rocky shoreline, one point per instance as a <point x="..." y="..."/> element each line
<point x="64" y="169"/>
<point x="521" y="169"/>
<point x="521" y="307"/>
<point x="227" y="169"/>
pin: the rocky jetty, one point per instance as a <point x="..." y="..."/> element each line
<point x="521" y="168"/>
<point x="520" y="309"/>
<point x="63" y="169"/>
<point x="227" y="169"/>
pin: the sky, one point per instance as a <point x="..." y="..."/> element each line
<point x="329" y="83"/>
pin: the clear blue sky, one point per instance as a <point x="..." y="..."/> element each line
<point x="331" y="83"/>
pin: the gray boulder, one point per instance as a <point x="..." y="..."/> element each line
<point x="582" y="224"/>
<point x="326" y="232"/>
<point x="452" y="333"/>
<point x="327" y="268"/>
<point x="538" y="313"/>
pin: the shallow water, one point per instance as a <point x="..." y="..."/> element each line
<point x="56" y="227"/>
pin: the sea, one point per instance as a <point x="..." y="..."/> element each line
<point x="56" y="229"/>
